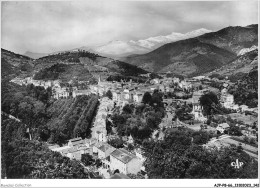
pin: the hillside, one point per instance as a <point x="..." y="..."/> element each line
<point x="71" y="65"/>
<point x="233" y="39"/>
<point x="245" y="90"/>
<point x="238" y="68"/>
<point x="13" y="64"/>
<point x="200" y="54"/>
<point x="20" y="156"/>
<point x="184" y="57"/>
<point x="65" y="73"/>
<point x="81" y="65"/>
<point x="35" y="55"/>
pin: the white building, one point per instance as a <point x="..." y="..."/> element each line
<point x="80" y="92"/>
<point x="125" y="162"/>
<point x="197" y="108"/>
<point x="222" y="127"/>
<point x="138" y="97"/>
<point x="105" y="150"/>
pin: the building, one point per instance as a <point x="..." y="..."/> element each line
<point x="80" y="92"/>
<point x="222" y="127"/>
<point x="155" y="81"/>
<point x="105" y="150"/>
<point x="60" y="93"/>
<point x="227" y="100"/>
<point x="197" y="108"/>
<point x="76" y="142"/>
<point x="75" y="148"/>
<point x="138" y="97"/>
<point x="125" y="162"/>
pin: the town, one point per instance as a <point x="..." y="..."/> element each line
<point x="142" y="90"/>
<point x="175" y="92"/>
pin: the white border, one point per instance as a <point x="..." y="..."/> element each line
<point x="131" y="182"/>
<point x="125" y="182"/>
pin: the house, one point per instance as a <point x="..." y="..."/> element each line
<point x="138" y="96"/>
<point x="125" y="162"/>
<point x="76" y="142"/>
<point x="197" y="108"/>
<point x="90" y="142"/>
<point x="80" y="92"/>
<point x="60" y="93"/>
<point x="96" y="146"/>
<point x="227" y="100"/>
<point x="176" y="80"/>
<point x="105" y="150"/>
<point x="155" y="81"/>
<point x="243" y="108"/>
<point x="74" y="153"/>
<point x="222" y="127"/>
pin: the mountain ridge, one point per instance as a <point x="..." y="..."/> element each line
<point x="200" y="54"/>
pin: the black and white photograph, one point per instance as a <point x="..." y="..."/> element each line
<point x="162" y="92"/>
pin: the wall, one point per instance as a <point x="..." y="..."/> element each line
<point x="117" y="164"/>
<point x="134" y="166"/>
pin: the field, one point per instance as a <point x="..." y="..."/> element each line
<point x="196" y="127"/>
<point x="247" y="119"/>
<point x="247" y="148"/>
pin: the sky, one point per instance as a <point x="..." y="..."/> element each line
<point x="62" y="25"/>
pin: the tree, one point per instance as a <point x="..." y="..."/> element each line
<point x="87" y="159"/>
<point x="209" y="102"/>
<point x="117" y="143"/>
<point x="130" y="147"/>
<point x="127" y="109"/>
<point x="176" y="157"/>
<point x="109" y="94"/>
<point x="239" y="148"/>
<point x="200" y="137"/>
<point x="147" y="98"/>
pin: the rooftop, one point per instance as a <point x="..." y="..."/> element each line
<point x="123" y="155"/>
<point x="75" y="139"/>
<point x="107" y="147"/>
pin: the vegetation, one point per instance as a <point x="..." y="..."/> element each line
<point x="116" y="142"/>
<point x="245" y="91"/>
<point x="139" y="121"/>
<point x="209" y="102"/>
<point x="87" y="159"/>
<point x="118" y="78"/>
<point x="26" y="159"/>
<point x="64" y="72"/>
<point x="178" y="157"/>
<point x="109" y="94"/>
<point x="70" y="118"/>
<point x="55" y="121"/>
<point x="70" y="56"/>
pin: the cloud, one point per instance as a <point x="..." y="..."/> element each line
<point x="53" y="26"/>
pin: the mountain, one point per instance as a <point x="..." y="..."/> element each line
<point x="186" y="57"/>
<point x="239" y="67"/>
<point x="198" y="55"/>
<point x="82" y="65"/>
<point x="126" y="48"/>
<point x="120" y="49"/>
<point x="245" y="90"/>
<point x="233" y="39"/>
<point x="155" y="42"/>
<point x="35" y="55"/>
<point x="13" y="64"/>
